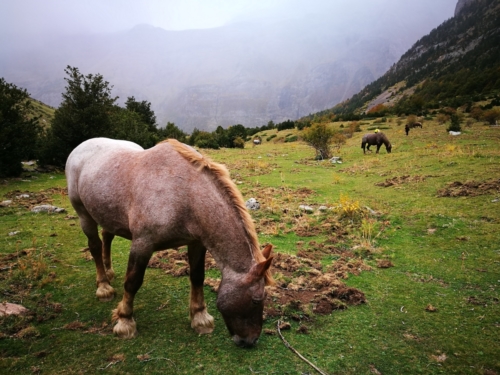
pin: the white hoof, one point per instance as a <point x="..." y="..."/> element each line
<point x="203" y="323"/>
<point x="125" y="328"/>
<point x="105" y="293"/>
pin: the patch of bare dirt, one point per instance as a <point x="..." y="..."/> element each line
<point x="302" y="287"/>
<point x="400" y="180"/>
<point x="470" y="188"/>
<point x="384" y="263"/>
<point x="176" y="263"/>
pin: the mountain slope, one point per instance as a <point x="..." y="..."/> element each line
<point x="249" y="72"/>
<point x="455" y="63"/>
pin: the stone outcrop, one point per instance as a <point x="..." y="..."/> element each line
<point x="462" y="4"/>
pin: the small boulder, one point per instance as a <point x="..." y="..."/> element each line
<point x="47" y="208"/>
<point x="5" y="203"/>
<point x="252" y="204"/>
<point x="7" y="308"/>
<point x="306" y="208"/>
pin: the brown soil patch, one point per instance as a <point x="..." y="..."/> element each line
<point x="470" y="188"/>
<point x="176" y="263"/>
<point x="302" y="287"/>
<point x="399" y="180"/>
<point x="384" y="263"/>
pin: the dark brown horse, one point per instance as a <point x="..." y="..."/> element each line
<point x="377" y="139"/>
<point x="165" y="197"/>
<point x="411" y="126"/>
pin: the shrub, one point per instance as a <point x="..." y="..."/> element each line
<point x="19" y="131"/>
<point x="442" y="118"/>
<point x="239" y="142"/>
<point x="271" y="137"/>
<point x="320" y="137"/>
<point x="410" y="120"/>
<point x="292" y="138"/>
<point x="455" y="123"/>
<point x="492" y="115"/>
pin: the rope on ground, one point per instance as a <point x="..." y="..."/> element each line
<point x="296" y="352"/>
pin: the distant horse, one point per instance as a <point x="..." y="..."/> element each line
<point x="165" y="197"/>
<point x="411" y="126"/>
<point x="378" y="139"/>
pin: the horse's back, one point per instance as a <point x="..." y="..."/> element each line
<point x="90" y="166"/>
<point x="370" y="138"/>
<point x="119" y="184"/>
<point x="96" y="149"/>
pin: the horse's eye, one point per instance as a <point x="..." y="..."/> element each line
<point x="257" y="300"/>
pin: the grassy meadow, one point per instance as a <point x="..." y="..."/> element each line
<point x="432" y="309"/>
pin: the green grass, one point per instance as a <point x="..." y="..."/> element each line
<point x="445" y="251"/>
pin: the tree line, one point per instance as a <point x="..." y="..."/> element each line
<point x="88" y="110"/>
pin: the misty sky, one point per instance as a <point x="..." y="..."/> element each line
<point x="24" y="17"/>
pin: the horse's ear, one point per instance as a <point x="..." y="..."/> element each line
<point x="267" y="251"/>
<point x="258" y="270"/>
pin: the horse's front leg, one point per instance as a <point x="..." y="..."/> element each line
<point x="107" y="238"/>
<point x="378" y="147"/>
<point x="201" y="321"/>
<point x="137" y="263"/>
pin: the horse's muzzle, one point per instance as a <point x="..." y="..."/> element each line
<point x="245" y="342"/>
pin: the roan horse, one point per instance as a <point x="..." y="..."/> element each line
<point x="165" y="197"/>
<point x="378" y="139"/>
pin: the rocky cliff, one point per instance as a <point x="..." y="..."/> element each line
<point x="463" y="4"/>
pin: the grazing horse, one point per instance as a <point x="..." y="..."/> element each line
<point x="411" y="126"/>
<point x="371" y="139"/>
<point x="165" y="197"/>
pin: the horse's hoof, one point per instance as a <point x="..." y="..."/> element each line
<point x="105" y="293"/>
<point x="203" y="323"/>
<point x="125" y="328"/>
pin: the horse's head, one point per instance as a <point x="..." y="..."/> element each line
<point x="240" y="300"/>
<point x="388" y="148"/>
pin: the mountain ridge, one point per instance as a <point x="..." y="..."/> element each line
<point x="247" y="72"/>
<point x="454" y="64"/>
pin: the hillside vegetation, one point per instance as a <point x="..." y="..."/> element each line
<point x="414" y="232"/>
<point x="43" y="111"/>
<point x="455" y="64"/>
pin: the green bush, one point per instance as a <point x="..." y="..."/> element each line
<point x="19" y="134"/>
<point x="455" y="123"/>
<point x="239" y="142"/>
<point x="271" y="137"/>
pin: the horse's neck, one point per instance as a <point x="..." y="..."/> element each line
<point x="224" y="235"/>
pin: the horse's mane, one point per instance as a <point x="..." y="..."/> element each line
<point x="385" y="139"/>
<point x="221" y="176"/>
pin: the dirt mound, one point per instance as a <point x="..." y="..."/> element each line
<point x="470" y="188"/>
<point x="302" y="287"/>
<point x="396" y="181"/>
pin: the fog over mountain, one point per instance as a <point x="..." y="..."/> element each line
<point x="277" y="63"/>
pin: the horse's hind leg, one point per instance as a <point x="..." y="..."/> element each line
<point x="201" y="321"/>
<point x="138" y="260"/>
<point x="107" y="238"/>
<point x="104" y="291"/>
